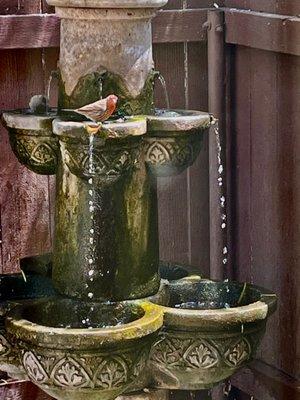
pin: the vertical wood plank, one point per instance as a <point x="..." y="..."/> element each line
<point x="198" y="184"/>
<point x="267" y="190"/>
<point x="241" y="137"/>
<point x="172" y="192"/>
<point x="24" y="200"/>
<point x="288" y="170"/>
<point x="265" y="224"/>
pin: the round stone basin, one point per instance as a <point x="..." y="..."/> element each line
<point x="211" y="329"/>
<point x="32" y="140"/>
<point x="174" y="140"/>
<point x="104" y="152"/>
<point x="76" y="350"/>
<point x="15" y="290"/>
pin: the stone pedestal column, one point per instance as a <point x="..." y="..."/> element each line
<point x="106" y="229"/>
<point x="106" y="47"/>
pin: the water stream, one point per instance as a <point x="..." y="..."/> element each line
<point x="165" y="90"/>
<point x="222" y="194"/>
<point x="91" y="171"/>
<point x="53" y="75"/>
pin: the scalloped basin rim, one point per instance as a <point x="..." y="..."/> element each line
<point x="262" y="304"/>
<point x="27" y="331"/>
<point x="122" y="129"/>
<point x="188" y="120"/>
<point x="108" y="3"/>
<point x="20" y="119"/>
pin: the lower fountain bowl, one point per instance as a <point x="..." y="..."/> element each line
<point x="211" y="329"/>
<point x="75" y="350"/>
<point x="174" y="140"/>
<point x="14" y="290"/>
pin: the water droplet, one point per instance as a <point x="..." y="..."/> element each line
<point x="223" y="226"/>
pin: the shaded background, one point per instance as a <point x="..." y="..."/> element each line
<point x="262" y="96"/>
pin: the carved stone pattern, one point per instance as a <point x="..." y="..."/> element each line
<point x="71" y="371"/>
<point x="106" y="163"/>
<point x="238" y="353"/>
<point x="5" y="347"/>
<point x="34" y="368"/>
<point x="141" y="362"/>
<point x="198" y="353"/>
<point x="164" y="151"/>
<point x="187" y="354"/>
<point x="36" y="152"/>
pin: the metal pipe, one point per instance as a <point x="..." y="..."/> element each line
<point x="216" y="94"/>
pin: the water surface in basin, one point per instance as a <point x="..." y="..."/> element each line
<point x="209" y="295"/>
<point x="71" y="314"/>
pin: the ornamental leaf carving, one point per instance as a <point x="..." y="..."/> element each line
<point x="69" y="373"/>
<point x="112" y="373"/>
<point x="201" y="355"/>
<point x="238" y="353"/>
<point x="34" y="368"/>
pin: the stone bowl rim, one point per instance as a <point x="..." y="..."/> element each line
<point x="189" y="121"/>
<point x="80" y="338"/>
<point x="18" y="119"/>
<point x="257" y="311"/>
<point x="77" y="130"/>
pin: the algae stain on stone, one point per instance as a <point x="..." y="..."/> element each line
<point x="93" y="86"/>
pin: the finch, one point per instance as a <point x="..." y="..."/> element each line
<point x="101" y="110"/>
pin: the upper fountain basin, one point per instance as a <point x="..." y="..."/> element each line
<point x="174" y="140"/>
<point x="32" y="139"/>
<point x="132" y="126"/>
<point x="174" y="120"/>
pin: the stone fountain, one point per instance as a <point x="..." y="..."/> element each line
<point x="110" y="314"/>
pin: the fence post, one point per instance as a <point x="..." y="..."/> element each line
<point x="216" y="95"/>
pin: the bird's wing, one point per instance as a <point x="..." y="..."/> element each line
<point x="100" y="106"/>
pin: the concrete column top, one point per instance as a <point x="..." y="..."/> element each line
<point x="108" y="3"/>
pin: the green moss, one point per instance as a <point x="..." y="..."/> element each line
<point x="142" y="104"/>
<point x="90" y="87"/>
<point x="87" y="90"/>
<point x="125" y="248"/>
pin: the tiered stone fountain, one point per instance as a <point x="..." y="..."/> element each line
<point x="111" y="313"/>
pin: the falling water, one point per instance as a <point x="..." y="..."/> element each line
<point x="227" y="388"/>
<point x="222" y="193"/>
<point x="100" y="87"/>
<point x="165" y="90"/>
<point x="91" y="171"/>
<point x="52" y="76"/>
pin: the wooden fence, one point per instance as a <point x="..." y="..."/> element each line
<point x="261" y="111"/>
